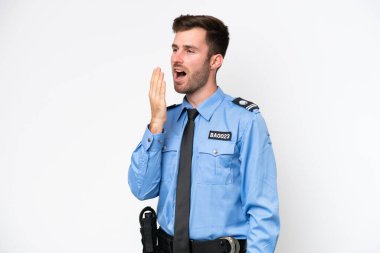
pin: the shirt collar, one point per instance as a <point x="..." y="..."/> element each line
<point x="207" y="107"/>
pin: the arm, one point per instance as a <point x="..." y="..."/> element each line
<point x="145" y="170"/>
<point x="259" y="187"/>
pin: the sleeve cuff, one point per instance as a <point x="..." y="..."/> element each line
<point x="153" y="142"/>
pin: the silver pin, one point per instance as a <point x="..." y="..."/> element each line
<point x="243" y="102"/>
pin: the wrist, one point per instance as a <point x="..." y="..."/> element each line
<point x="156" y="127"/>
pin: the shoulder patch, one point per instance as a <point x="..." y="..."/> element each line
<point x="171" y="107"/>
<point x="246" y="104"/>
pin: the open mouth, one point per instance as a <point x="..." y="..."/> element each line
<point x="179" y="74"/>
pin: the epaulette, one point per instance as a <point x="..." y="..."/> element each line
<point x="246" y="104"/>
<point x="171" y="107"/>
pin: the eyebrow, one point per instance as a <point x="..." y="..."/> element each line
<point x="185" y="46"/>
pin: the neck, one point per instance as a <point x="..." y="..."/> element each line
<point x="202" y="94"/>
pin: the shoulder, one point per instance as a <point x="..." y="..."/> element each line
<point x="248" y="115"/>
<point x="248" y="105"/>
<point x="170" y="107"/>
<point x="242" y="112"/>
<point x="242" y="106"/>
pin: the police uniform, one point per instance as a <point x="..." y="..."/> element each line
<point x="233" y="175"/>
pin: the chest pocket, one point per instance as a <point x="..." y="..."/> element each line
<point x="214" y="163"/>
<point x="169" y="159"/>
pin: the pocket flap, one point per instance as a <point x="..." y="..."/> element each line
<point x="216" y="148"/>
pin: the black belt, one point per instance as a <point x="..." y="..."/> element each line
<point x="165" y="245"/>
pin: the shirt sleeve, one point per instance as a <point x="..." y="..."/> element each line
<point x="259" y="186"/>
<point x="144" y="173"/>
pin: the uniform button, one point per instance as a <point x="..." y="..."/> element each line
<point x="149" y="140"/>
<point x="164" y="148"/>
<point x="159" y="141"/>
<point x="215" y="151"/>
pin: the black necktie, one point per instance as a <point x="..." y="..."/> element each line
<point x="182" y="206"/>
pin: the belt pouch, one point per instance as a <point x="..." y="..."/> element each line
<point x="148" y="230"/>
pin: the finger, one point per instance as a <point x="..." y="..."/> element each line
<point x="159" y="83"/>
<point x="156" y="76"/>
<point x="162" y="80"/>
<point x="163" y="91"/>
<point x="152" y="81"/>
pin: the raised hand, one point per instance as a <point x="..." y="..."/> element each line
<point x="157" y="101"/>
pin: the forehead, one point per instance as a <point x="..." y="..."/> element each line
<point x="193" y="37"/>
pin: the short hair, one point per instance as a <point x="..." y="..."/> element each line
<point x="217" y="35"/>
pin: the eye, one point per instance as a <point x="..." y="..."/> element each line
<point x="174" y="49"/>
<point x="189" y="51"/>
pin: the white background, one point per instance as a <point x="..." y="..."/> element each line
<point x="74" y="78"/>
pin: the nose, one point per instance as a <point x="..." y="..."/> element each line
<point x="177" y="57"/>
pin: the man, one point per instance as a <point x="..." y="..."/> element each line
<point x="210" y="158"/>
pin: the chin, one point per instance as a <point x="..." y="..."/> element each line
<point x="179" y="90"/>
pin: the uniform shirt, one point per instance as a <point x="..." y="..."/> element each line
<point x="233" y="173"/>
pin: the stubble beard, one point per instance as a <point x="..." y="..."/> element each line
<point x="196" y="81"/>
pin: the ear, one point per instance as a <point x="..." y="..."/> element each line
<point x="216" y="61"/>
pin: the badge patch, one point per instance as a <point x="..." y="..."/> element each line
<point x="246" y="104"/>
<point x="223" y="136"/>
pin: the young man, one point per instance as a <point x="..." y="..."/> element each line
<point x="210" y="158"/>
